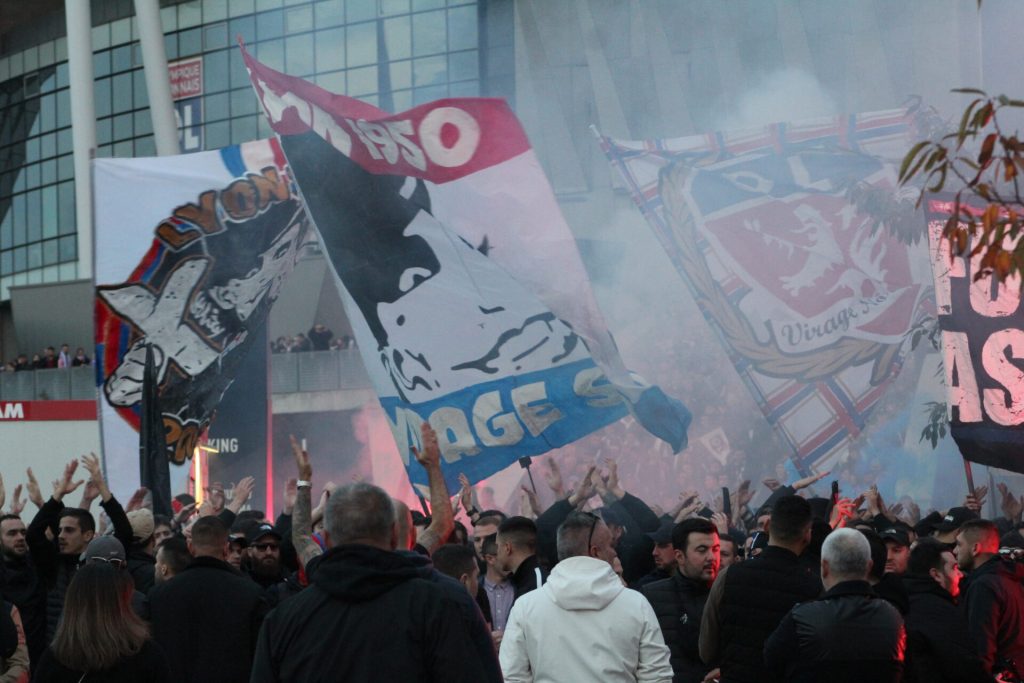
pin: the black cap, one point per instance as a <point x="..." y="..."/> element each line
<point x="257" y="532"/>
<point x="663" y="534"/>
<point x="896" y="534"/>
<point x="955" y="519"/>
<point x="927" y="525"/>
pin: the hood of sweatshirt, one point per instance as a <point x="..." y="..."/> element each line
<point x="357" y="573"/>
<point x="583" y="583"/>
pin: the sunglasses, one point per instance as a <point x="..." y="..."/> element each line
<point x="264" y="547"/>
<point x="115" y="562"/>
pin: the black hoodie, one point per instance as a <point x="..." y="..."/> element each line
<point x="939" y="647"/>
<point x="369" y="615"/>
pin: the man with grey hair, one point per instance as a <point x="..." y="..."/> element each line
<point x="384" y="619"/>
<point x="849" y="634"/>
<point x="583" y="624"/>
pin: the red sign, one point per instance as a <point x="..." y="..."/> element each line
<point x="186" y="78"/>
<point x="43" y="411"/>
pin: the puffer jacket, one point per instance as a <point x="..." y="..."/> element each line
<point x="679" y="604"/>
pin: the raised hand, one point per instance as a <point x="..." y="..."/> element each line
<point x="17" y="505"/>
<point x="613" y="478"/>
<point x="183" y="514"/>
<point x="553" y="477"/>
<point x="92" y="463"/>
<point x="302" y="461"/>
<point x="977" y="501"/>
<point x="721" y="522"/>
<point x="430" y="456"/>
<point x="291" y="490"/>
<point x="743" y="495"/>
<point x="64" y="485"/>
<point x="465" y="493"/>
<point x="807" y="481"/>
<point x="34" y="493"/>
<point x="1009" y="503"/>
<point x="137" y="499"/>
<point x="772" y="483"/>
<point x="842" y="512"/>
<point x="243" y="490"/>
<point x="586" y="488"/>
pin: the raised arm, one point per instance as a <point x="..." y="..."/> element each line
<point x="442" y="521"/>
<point x="116" y="513"/>
<point x="302" y="515"/>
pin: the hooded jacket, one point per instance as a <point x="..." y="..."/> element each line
<point x="368" y="615"/>
<point x="939" y="648"/>
<point x="583" y="625"/>
<point x="993" y="600"/>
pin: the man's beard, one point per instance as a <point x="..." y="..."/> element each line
<point x="10" y="555"/>
<point x="266" y="569"/>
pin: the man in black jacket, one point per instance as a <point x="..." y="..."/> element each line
<point x="993" y="598"/>
<point x="678" y="601"/>
<point x="849" y="635"/>
<point x="386" y="620"/>
<point x="21" y="585"/>
<point x="749" y="599"/>
<point x="74" y="528"/>
<point x="517" y="555"/>
<point x="207" y="618"/>
<point x="939" y="648"/>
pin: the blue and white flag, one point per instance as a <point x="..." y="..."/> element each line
<point x="466" y="292"/>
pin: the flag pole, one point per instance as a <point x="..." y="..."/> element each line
<point x="970" y="476"/>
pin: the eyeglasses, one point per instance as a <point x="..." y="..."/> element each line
<point x="264" y="547"/>
<point x="115" y="562"/>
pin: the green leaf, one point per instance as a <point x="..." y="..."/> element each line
<point x="907" y="160"/>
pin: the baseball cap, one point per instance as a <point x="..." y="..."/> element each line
<point x="142" y="523"/>
<point x="257" y="532"/>
<point x="663" y="534"/>
<point x="927" y="524"/>
<point x="897" y="534"/>
<point x="104" y="549"/>
<point x="954" y="519"/>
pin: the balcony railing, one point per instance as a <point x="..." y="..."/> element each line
<point x="289" y="373"/>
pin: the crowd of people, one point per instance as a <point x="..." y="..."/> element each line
<point x="47" y="359"/>
<point x="318" y="338"/>
<point x="597" y="586"/>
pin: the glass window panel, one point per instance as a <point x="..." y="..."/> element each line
<point x="103" y="151"/>
<point x="330" y="49"/>
<point x="362" y="81"/>
<point x="20" y="259"/>
<point x="389" y="7"/>
<point x="65" y="167"/>
<point x="463" y="66"/>
<point x="169" y="18"/>
<point x="46" y="53"/>
<point x="66" y="208"/>
<point x="429" y="71"/>
<point x="35" y="215"/>
<point x="35" y="255"/>
<point x="215" y="68"/>
<point x="18" y="212"/>
<point x="270" y="25"/>
<point x="401" y="99"/>
<point x="298" y="20"/>
<point x="462" y="28"/>
<point x="49" y="81"/>
<point x="428" y="33"/>
<point x="31" y="57"/>
<point x="122" y="125"/>
<point x="6" y="231"/>
<point x="32" y="176"/>
<point x="145" y="147"/>
<point x="48" y="145"/>
<point x="121" y="58"/>
<point x="465" y="89"/>
<point x="49" y="252"/>
<point x="362" y="44"/>
<point x="171" y="45"/>
<point x="121" y="89"/>
<point x="47" y="113"/>
<point x="140" y="96"/>
<point x="63" y="108"/>
<point x="102" y="90"/>
<point x="101" y="37"/>
<point x="64" y="141"/>
<point x="137" y="54"/>
<point x="101" y="63"/>
<point x="67" y="248"/>
<point x="48" y="171"/>
<point x="243" y="26"/>
<point x="243" y="130"/>
<point x="7" y="262"/>
<point x="216" y="107"/>
<point x="401" y="76"/>
<point x="239" y="7"/>
<point x="124" y="150"/>
<point x="217" y="134"/>
<point x="263" y="129"/>
<point x="142" y="122"/>
<point x="15" y="63"/>
<point x="271" y="53"/>
<point x="239" y="76"/>
<point x="299" y="55"/>
<point x="121" y="31"/>
<point x="398" y="38"/>
<point x="190" y="42"/>
<point x="215" y="37"/>
<point x="262" y="5"/>
<point x="31" y="150"/>
<point x="103" y="131"/>
<point x="62" y="75"/>
<point x="329" y="13"/>
<point x="50" y="211"/>
<point x="361" y="10"/>
<point x="332" y="82"/>
<point x="190" y="14"/>
<point x="215" y="10"/>
<point x="243" y="102"/>
<point x="421" y="95"/>
<point x="19" y="182"/>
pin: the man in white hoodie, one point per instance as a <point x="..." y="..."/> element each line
<point x="583" y="624"/>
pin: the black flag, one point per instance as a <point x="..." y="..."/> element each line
<point x="154" y="468"/>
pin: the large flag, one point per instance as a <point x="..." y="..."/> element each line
<point x="191" y="252"/>
<point x="469" y="300"/>
<point x="772" y="231"/>
<point x="983" y="346"/>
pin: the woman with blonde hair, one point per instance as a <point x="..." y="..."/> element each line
<point x="99" y="637"/>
